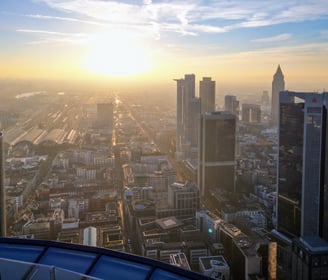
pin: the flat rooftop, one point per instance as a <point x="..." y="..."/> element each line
<point x="209" y="261"/>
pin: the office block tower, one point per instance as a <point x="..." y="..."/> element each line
<point x="231" y="104"/>
<point x="302" y="205"/>
<point x="278" y="85"/>
<point x="207" y="95"/>
<point x="216" y="151"/>
<point x="251" y="113"/>
<point x="188" y="109"/>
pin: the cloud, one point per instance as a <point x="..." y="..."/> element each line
<point x="48" y="36"/>
<point x="38" y="16"/>
<point x="273" y="39"/>
<point x="48" y="32"/>
<point x="187" y="18"/>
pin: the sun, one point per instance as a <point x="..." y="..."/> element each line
<point x="117" y="54"/>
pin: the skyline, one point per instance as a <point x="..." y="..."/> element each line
<point x="234" y="42"/>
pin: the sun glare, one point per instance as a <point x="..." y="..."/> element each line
<point x="117" y="54"/>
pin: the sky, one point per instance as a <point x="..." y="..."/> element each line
<point x="237" y="43"/>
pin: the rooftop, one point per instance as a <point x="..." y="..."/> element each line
<point x="210" y="261"/>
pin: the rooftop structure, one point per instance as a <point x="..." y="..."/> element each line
<point x="180" y="260"/>
<point x="215" y="267"/>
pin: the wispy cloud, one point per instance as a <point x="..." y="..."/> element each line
<point x="193" y="18"/>
<point x="273" y="39"/>
<point x="48" y="32"/>
<point x="38" y="16"/>
<point x="48" y="36"/>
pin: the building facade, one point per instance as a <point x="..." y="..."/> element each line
<point x="309" y="258"/>
<point x="185" y="109"/>
<point x="216" y="151"/>
<point x="302" y="177"/>
<point x="183" y="196"/>
<point x="231" y="104"/>
<point x="207" y="95"/>
<point x="251" y="113"/>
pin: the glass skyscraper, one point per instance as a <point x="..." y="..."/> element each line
<point x="216" y="152"/>
<point x="302" y="177"/>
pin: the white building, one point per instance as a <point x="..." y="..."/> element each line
<point x="215" y="267"/>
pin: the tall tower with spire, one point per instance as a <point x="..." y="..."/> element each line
<point x="278" y="85"/>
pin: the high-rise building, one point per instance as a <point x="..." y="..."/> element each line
<point x="309" y="258"/>
<point x="179" y="133"/>
<point x="278" y="85"/>
<point x="216" y="151"/>
<point x="3" y="224"/>
<point x="183" y="196"/>
<point x="303" y="162"/>
<point x="231" y="104"/>
<point x="251" y="113"/>
<point x="207" y="94"/>
<point x="187" y="96"/>
<point x="185" y="113"/>
<point x="194" y="112"/>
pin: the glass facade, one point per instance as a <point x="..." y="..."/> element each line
<point x="302" y="189"/>
<point x="290" y="168"/>
<point x="217" y="151"/>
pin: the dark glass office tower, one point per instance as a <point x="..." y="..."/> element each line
<point x="302" y="176"/>
<point x="216" y="151"/>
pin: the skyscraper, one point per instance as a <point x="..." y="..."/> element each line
<point x="231" y="104"/>
<point x="179" y="134"/>
<point x="216" y="151"/>
<point x="194" y="112"/>
<point x="302" y="203"/>
<point x="251" y="113"/>
<point x="278" y="85"/>
<point x="207" y="95"/>
<point x="3" y="224"/>
<point x="186" y="104"/>
<point x="187" y="96"/>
